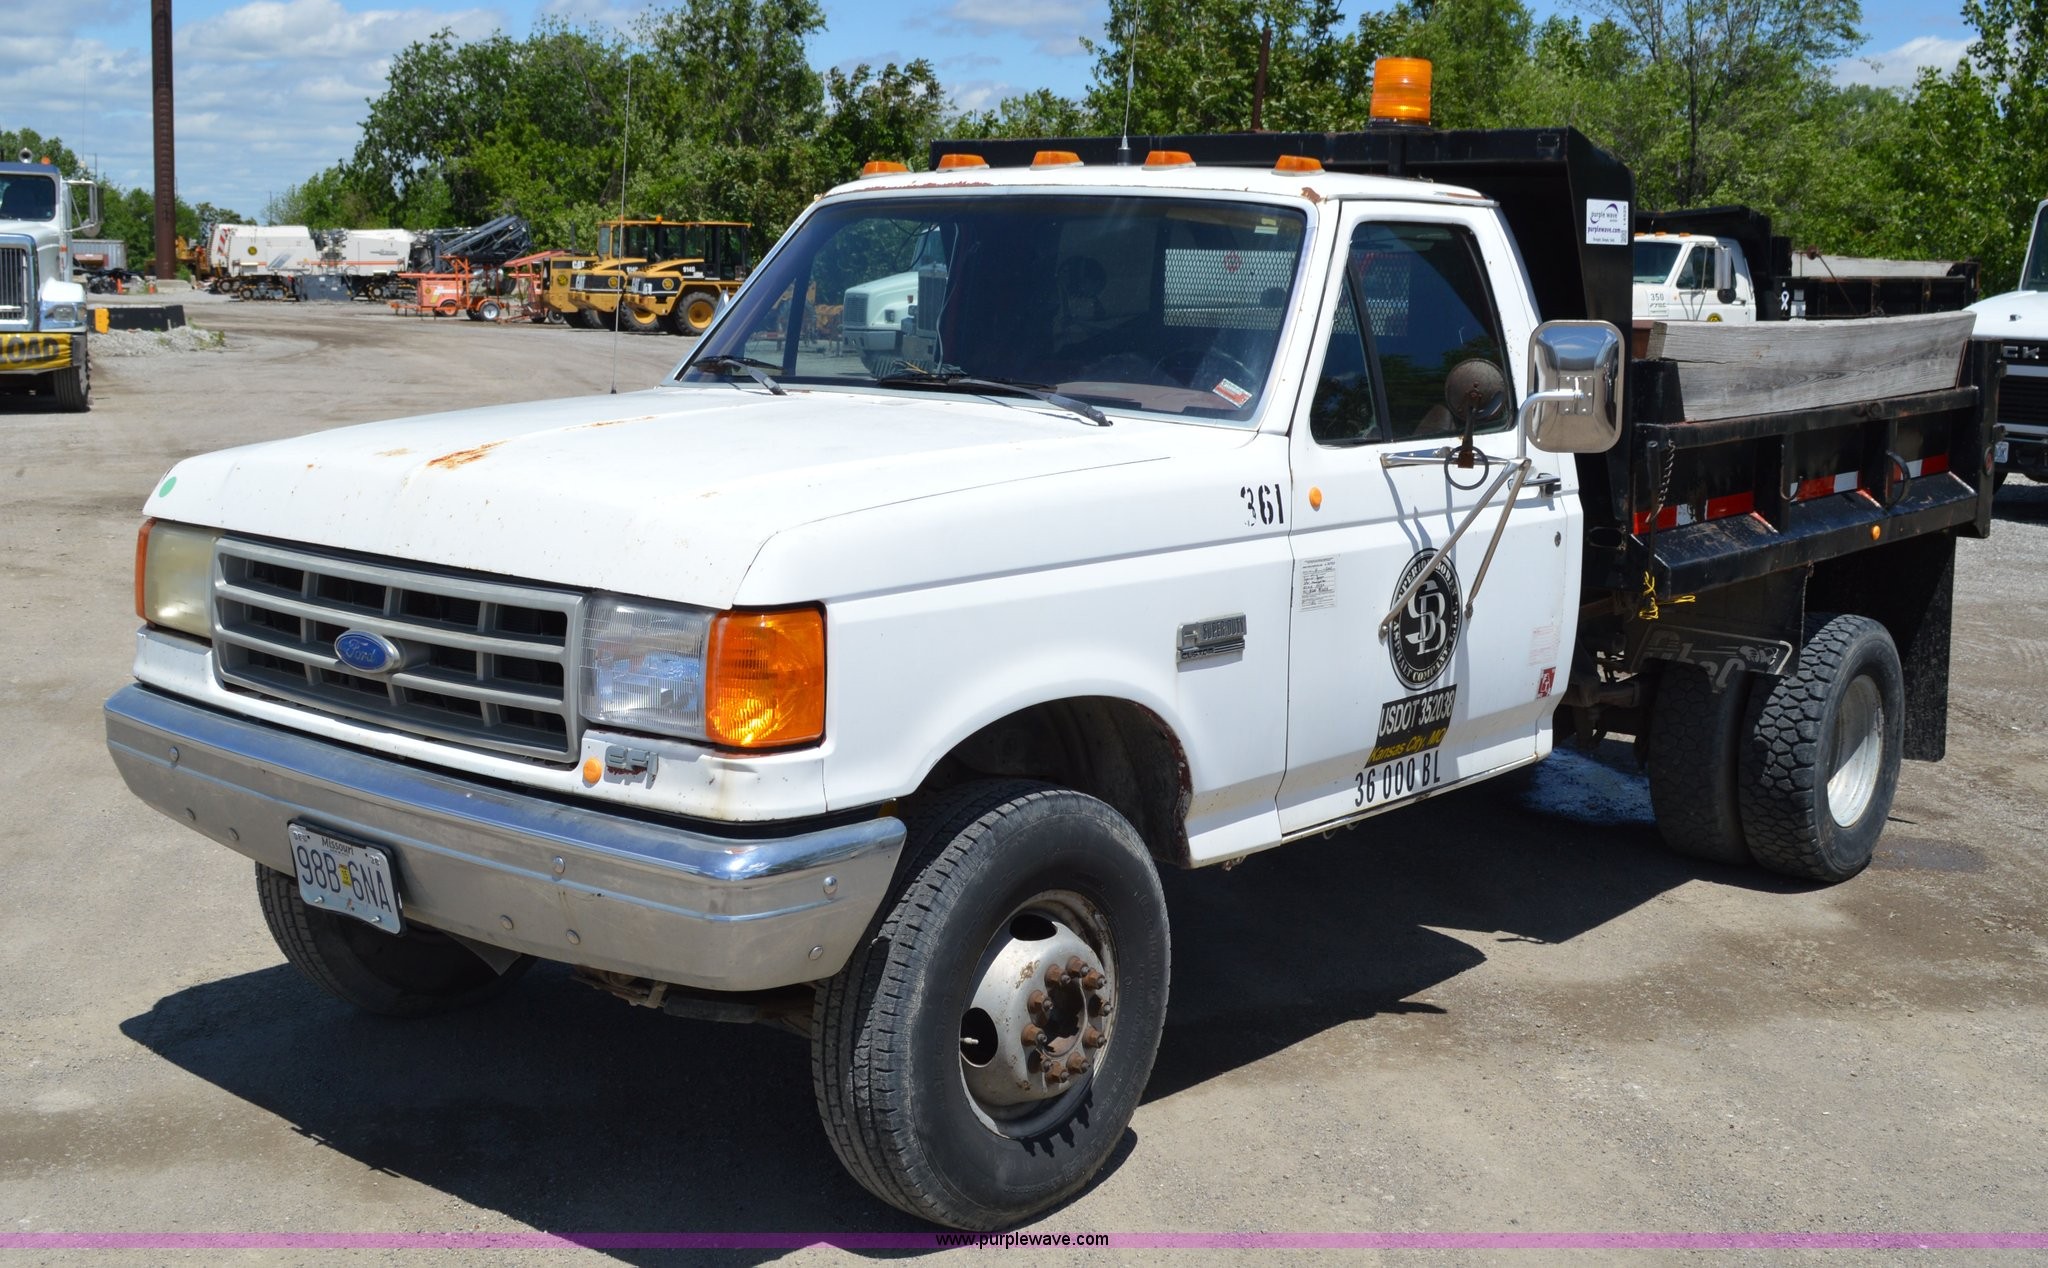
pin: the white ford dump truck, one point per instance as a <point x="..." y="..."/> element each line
<point x="43" y="347"/>
<point x="873" y="704"/>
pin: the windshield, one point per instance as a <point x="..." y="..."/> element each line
<point x="1167" y="305"/>
<point x="2034" y="277"/>
<point x="28" y="198"/>
<point x="1654" y="260"/>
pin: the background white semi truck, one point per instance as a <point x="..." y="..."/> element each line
<point x="42" y="311"/>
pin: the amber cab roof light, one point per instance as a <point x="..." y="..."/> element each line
<point x="1400" y="90"/>
<point x="1158" y="159"/>
<point x="882" y="167"/>
<point x="947" y="162"/>
<point x="1055" y="158"/>
<point x="1293" y="163"/>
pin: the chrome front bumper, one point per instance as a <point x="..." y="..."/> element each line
<point x="563" y="882"/>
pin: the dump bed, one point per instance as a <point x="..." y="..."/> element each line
<point x="1686" y="500"/>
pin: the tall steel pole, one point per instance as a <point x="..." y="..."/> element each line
<point x="166" y="173"/>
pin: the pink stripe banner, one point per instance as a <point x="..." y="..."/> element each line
<point x="937" y="1240"/>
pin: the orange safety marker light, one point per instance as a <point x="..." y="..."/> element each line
<point x="1296" y="163"/>
<point x="1055" y="158"/>
<point x="947" y="162"/>
<point x="1400" y="90"/>
<point x="1169" y="158"/>
<point x="882" y="167"/>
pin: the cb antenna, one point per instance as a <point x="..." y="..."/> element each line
<point x="625" y="138"/>
<point x="1123" y="146"/>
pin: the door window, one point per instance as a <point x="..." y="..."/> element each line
<point x="1698" y="273"/>
<point x="1421" y="292"/>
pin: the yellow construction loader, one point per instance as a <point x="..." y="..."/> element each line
<point x="625" y="248"/>
<point x="682" y="295"/>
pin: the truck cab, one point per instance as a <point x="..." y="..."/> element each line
<point x="1692" y="277"/>
<point x="2018" y="322"/>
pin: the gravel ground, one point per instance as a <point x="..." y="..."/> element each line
<point x="1506" y="1011"/>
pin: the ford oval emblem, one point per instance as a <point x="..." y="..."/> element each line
<point x="368" y="653"/>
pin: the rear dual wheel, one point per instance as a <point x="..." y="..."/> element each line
<point x="1796" y="772"/>
<point x="977" y="1060"/>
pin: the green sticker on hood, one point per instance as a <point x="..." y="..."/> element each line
<point x="164" y="490"/>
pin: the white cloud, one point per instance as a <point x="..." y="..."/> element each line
<point x="1054" y="28"/>
<point x="973" y="96"/>
<point x="266" y="93"/>
<point x="1899" y="67"/>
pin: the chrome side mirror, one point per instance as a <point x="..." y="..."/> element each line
<point x="1576" y="369"/>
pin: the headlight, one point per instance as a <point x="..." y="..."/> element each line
<point x="740" y="679"/>
<point x="62" y="316"/>
<point x="174" y="576"/>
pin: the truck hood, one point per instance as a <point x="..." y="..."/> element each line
<point x="2014" y="315"/>
<point x="669" y="493"/>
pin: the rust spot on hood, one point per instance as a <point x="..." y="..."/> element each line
<point x="613" y="422"/>
<point x="1309" y="192"/>
<point x="393" y="453"/>
<point x="463" y="457"/>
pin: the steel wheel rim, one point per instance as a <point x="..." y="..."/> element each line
<point x="1857" y="751"/>
<point x="1056" y="925"/>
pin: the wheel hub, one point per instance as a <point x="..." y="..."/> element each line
<point x="1039" y="1016"/>
<point x="1858" y="751"/>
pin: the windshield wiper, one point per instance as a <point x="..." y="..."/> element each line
<point x="912" y="377"/>
<point x="728" y="366"/>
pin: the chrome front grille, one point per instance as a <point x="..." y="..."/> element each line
<point x="14" y="286"/>
<point x="486" y="663"/>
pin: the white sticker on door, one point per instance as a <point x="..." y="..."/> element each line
<point x="1318" y="585"/>
<point x="1607" y="222"/>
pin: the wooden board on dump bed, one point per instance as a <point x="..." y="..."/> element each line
<point x="1729" y="371"/>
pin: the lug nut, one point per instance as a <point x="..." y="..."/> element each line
<point x="1093" y="980"/>
<point x="1032" y="1036"/>
<point x="1037" y="1004"/>
<point x="1077" y="966"/>
<point x="1077" y="1061"/>
<point x="1092" y="1038"/>
<point x="1054" y="975"/>
<point x="1055" y="1074"/>
<point x="1098" y="1004"/>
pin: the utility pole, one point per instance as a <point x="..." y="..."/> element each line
<point x="166" y="170"/>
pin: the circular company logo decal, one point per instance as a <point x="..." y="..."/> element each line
<point x="1425" y="632"/>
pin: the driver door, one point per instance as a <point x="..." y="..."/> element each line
<point x="1389" y="702"/>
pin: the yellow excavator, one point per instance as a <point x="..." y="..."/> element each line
<point x="682" y="295"/>
<point x="591" y="296"/>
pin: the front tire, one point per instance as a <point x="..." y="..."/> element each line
<point x="695" y="311"/>
<point x="1821" y="761"/>
<point x="71" y="387"/>
<point x="417" y="973"/>
<point x="978" y="1059"/>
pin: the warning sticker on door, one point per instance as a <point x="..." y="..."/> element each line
<point x="1317" y="587"/>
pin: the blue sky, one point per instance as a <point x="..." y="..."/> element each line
<point x="271" y="91"/>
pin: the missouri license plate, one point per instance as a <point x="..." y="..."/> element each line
<point x="346" y="878"/>
<point x="2000" y="450"/>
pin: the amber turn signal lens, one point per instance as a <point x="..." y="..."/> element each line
<point x="764" y="678"/>
<point x="1400" y="89"/>
<point x="141" y="565"/>
<point x="1169" y="158"/>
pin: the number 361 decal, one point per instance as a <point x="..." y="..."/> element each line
<point x="1263" y="504"/>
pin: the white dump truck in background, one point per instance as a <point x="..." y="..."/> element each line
<point x="1221" y="502"/>
<point x="44" y="349"/>
<point x="2018" y="321"/>
<point x="1721" y="264"/>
